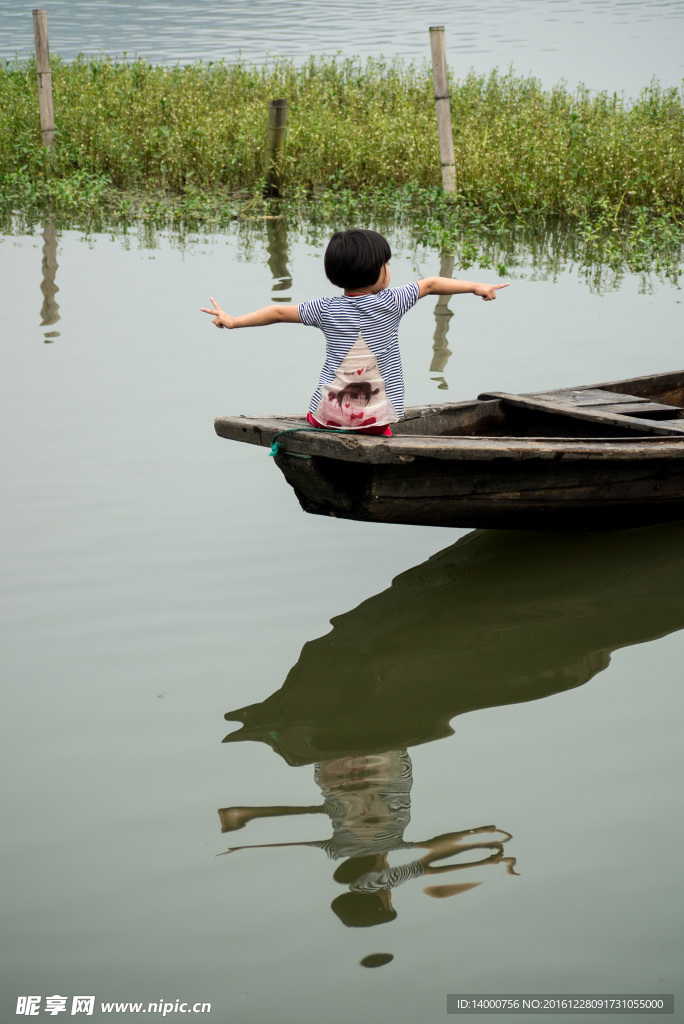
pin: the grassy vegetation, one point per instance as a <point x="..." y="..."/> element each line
<point x="185" y="143"/>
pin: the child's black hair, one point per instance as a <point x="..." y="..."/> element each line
<point x="355" y="258"/>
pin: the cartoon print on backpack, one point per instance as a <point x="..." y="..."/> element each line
<point x="357" y="397"/>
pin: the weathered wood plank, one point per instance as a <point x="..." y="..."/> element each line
<point x="603" y="401"/>
<point x="582" y="397"/>
<point x="637" y="424"/>
<point x="639" y="407"/>
<point x="655" y="385"/>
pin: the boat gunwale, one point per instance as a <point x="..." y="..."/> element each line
<point x="348" y="447"/>
<point x="296" y="437"/>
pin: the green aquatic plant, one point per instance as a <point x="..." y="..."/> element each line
<point x="184" y="145"/>
<point x="351" y="125"/>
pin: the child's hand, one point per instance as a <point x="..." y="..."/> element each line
<point x="221" y="318"/>
<point x="487" y="291"/>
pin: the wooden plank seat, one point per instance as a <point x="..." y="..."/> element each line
<point x="630" y="412"/>
<point x="609" y="401"/>
<point x="654" y="410"/>
<point x="584" y="396"/>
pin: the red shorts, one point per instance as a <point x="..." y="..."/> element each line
<point x="385" y="431"/>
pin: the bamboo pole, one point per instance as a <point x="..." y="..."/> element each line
<point x="443" y="108"/>
<point x="47" y="117"/>
<point x="275" y="147"/>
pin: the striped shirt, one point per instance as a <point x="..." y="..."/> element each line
<point x="375" y="318"/>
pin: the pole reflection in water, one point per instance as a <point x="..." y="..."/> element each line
<point x="49" y="312"/>
<point x="278" y="255"/>
<point x="497" y="618"/>
<point x="443" y="315"/>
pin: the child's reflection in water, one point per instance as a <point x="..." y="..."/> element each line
<point x="367" y="798"/>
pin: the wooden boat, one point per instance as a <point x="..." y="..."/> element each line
<point x="596" y="457"/>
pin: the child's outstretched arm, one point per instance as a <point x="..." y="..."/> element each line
<point x="449" y="286"/>
<point x="260" y="318"/>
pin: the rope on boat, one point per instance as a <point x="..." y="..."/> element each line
<point x="275" y="446"/>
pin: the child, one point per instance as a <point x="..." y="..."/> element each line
<point x="361" y="385"/>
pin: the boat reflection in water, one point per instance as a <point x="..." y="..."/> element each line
<point x="495" y="619"/>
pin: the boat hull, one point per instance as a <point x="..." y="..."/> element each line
<point x="503" y="493"/>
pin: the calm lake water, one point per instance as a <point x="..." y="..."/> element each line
<point x="156" y="578"/>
